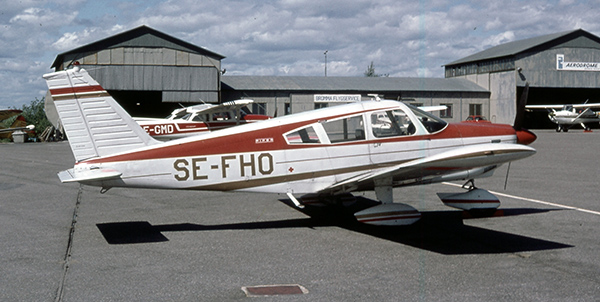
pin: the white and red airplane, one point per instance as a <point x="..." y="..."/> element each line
<point x="321" y="155"/>
<point x="568" y="115"/>
<point x="195" y="119"/>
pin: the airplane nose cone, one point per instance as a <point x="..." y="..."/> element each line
<point x="525" y="137"/>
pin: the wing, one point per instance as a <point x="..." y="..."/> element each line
<point x="227" y="106"/>
<point x="591" y="105"/>
<point x="544" y="106"/>
<point x="458" y="163"/>
<point x="433" y="108"/>
<point x="19" y="124"/>
<point x="4" y="130"/>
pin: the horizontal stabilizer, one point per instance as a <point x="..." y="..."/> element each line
<point x="88" y="175"/>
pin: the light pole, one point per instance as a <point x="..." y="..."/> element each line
<point x="325" y="53"/>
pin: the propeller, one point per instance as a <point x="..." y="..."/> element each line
<point x="524" y="136"/>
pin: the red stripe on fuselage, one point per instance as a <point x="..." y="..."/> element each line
<point x="246" y="141"/>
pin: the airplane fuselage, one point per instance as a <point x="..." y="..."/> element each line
<point x="322" y="154"/>
<point x="571" y="117"/>
<point x="270" y="156"/>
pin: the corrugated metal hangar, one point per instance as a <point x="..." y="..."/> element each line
<point x="296" y="94"/>
<point x="561" y="68"/>
<point x="150" y="73"/>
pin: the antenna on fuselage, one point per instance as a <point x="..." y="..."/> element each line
<point x="375" y="97"/>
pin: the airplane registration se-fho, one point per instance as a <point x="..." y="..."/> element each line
<point x="316" y="156"/>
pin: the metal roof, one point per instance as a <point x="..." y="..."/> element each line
<point x="366" y="84"/>
<point x="516" y="47"/>
<point x="142" y="36"/>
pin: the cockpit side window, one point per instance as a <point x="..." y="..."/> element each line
<point x="430" y="122"/>
<point x="391" y="123"/>
<point x="200" y="118"/>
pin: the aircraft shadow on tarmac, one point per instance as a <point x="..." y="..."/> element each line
<point x="441" y="231"/>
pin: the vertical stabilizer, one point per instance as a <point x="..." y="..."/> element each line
<point x="95" y="124"/>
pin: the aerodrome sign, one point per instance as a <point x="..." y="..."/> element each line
<point x="575" y="66"/>
<point x="337" y="98"/>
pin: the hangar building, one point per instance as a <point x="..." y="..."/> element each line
<point x="561" y="68"/>
<point x="288" y="94"/>
<point x="150" y="73"/>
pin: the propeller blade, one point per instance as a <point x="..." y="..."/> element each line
<point x="518" y="124"/>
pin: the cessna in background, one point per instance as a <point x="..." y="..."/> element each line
<point x="321" y="155"/>
<point x="570" y="115"/>
<point x="196" y="119"/>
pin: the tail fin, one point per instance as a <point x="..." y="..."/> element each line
<point x="94" y="122"/>
<point x="19" y="122"/>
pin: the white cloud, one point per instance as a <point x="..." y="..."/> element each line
<point x="500" y="38"/>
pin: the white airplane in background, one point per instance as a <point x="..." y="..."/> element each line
<point x="320" y="155"/>
<point x="196" y="119"/>
<point x="570" y="115"/>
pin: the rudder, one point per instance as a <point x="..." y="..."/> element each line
<point x="95" y="124"/>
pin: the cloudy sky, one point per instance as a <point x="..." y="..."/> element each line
<point x="284" y="37"/>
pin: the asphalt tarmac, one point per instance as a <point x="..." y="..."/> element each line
<point x="63" y="242"/>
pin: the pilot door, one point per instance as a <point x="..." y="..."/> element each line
<point x="395" y="138"/>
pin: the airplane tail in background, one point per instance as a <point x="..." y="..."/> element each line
<point x="95" y="124"/>
<point x="19" y="122"/>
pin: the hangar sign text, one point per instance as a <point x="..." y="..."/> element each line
<point x="575" y="66"/>
<point x="336" y="98"/>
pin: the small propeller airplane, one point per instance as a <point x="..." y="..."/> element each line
<point x="18" y="124"/>
<point x="317" y="156"/>
<point x="195" y="119"/>
<point x="570" y="115"/>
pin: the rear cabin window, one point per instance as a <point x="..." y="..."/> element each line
<point x="345" y="130"/>
<point x="303" y="136"/>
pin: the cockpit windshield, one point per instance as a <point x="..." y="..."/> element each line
<point x="177" y="114"/>
<point x="431" y="122"/>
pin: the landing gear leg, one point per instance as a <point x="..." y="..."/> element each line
<point x="469" y="185"/>
<point x="586" y="128"/>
